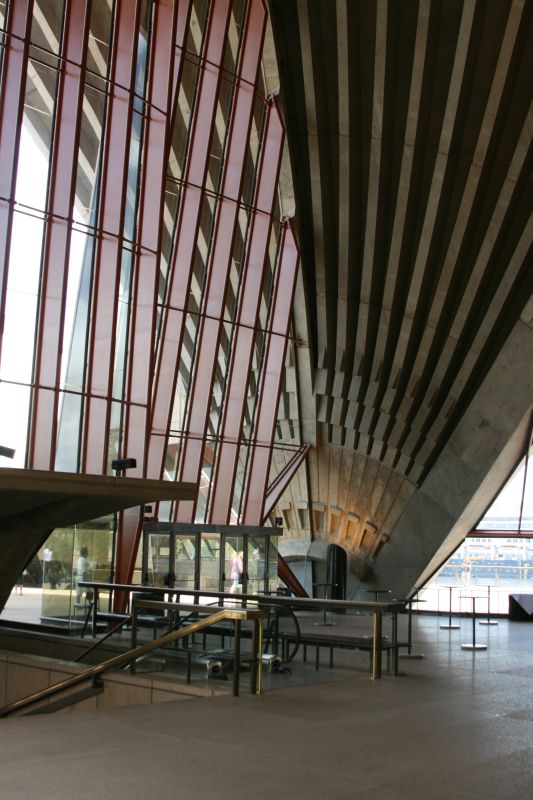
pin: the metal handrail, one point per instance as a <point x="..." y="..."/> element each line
<point x="90" y="674"/>
<point x="296" y="603"/>
<point x="127" y="619"/>
<point x="104" y="638"/>
<point x="177" y="591"/>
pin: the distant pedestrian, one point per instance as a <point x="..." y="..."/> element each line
<point x="467" y="569"/>
<point x="82" y="572"/>
<point x="47" y="558"/>
<point x="236" y="573"/>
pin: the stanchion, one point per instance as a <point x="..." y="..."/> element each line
<point x="488" y="621"/>
<point x="472" y="645"/>
<point x="450" y="626"/>
<point x="325" y="620"/>
<point x="410" y="654"/>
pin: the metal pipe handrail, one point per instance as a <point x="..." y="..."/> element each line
<point x="117" y="661"/>
<point x="139" y="603"/>
<point x="120" y="625"/>
<point x="265" y="599"/>
<point x="376" y="607"/>
<point x="103" y="639"/>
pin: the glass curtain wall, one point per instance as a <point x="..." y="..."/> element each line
<point x="145" y="246"/>
<point x="496" y="558"/>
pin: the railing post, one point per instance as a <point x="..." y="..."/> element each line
<point x="376" y="644"/>
<point x="257" y="661"/>
<point x="236" y="657"/>
<point x="259" y="686"/>
<point x="133" y="634"/>
<point x="95" y="610"/>
<point x="395" y="640"/>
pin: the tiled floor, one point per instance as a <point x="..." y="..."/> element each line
<point x="457" y="725"/>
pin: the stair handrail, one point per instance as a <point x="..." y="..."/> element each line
<point x="103" y="639"/>
<point x="117" y="661"/>
<point x="119" y="625"/>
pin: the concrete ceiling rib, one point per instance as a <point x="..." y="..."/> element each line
<point x="410" y="128"/>
<point x="308" y="73"/>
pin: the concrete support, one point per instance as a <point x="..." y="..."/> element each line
<point x="478" y="458"/>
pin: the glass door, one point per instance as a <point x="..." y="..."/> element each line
<point x="234" y="567"/>
<point x="158" y="563"/>
<point x="272" y="577"/>
<point x="257" y="564"/>
<point x="186" y="558"/>
<point x="210" y="562"/>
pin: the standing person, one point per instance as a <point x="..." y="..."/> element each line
<point x="467" y="569"/>
<point x="47" y="558"/>
<point x="82" y="572"/>
<point x="236" y="573"/>
<point x="54" y="573"/>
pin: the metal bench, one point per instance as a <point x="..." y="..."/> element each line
<point x="318" y="640"/>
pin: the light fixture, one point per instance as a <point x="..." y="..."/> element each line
<point x="123" y="463"/>
<point x="7" y="452"/>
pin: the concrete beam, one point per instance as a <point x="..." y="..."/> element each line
<point x="478" y="458"/>
<point x="34" y="502"/>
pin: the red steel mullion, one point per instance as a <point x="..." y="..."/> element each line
<point x="220" y="260"/>
<point x="277" y="488"/>
<point x="244" y="87"/>
<point x="146" y="275"/>
<point x="233" y="415"/>
<point x="182" y="26"/>
<point x="150" y="215"/>
<point x="108" y="257"/>
<point x="271" y="381"/>
<point x="130" y="520"/>
<point x="183" y="12"/>
<point x="56" y="250"/>
<point x="12" y="95"/>
<point x="173" y="325"/>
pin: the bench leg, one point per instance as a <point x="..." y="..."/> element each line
<point x="331" y="657"/>
<point x="317" y="656"/>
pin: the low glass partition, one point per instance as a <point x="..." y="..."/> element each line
<point x="228" y="558"/>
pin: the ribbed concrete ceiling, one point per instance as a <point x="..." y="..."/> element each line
<point x="409" y="127"/>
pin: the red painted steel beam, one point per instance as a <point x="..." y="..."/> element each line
<point x="289" y="578"/>
<point x="271" y="380"/>
<point x="182" y="27"/>
<point x="157" y="129"/>
<point x="167" y="364"/>
<point x="108" y="256"/>
<point x="220" y="257"/>
<point x="12" y="91"/>
<point x="239" y="371"/>
<point x="157" y="132"/>
<point x="278" y="486"/>
<point x="181" y="266"/>
<point x="58" y="230"/>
